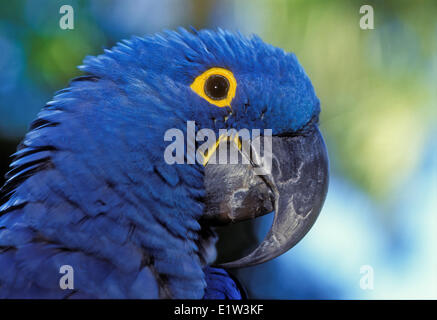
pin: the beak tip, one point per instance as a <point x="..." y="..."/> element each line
<point x="299" y="199"/>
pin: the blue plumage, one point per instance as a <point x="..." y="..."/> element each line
<point x="88" y="186"/>
<point x="219" y="285"/>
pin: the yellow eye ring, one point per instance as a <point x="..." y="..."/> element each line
<point x="216" y="85"/>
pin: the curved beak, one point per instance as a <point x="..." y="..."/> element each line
<point x="294" y="186"/>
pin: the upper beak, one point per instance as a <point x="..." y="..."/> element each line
<point x="295" y="189"/>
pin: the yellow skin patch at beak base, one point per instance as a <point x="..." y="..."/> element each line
<point x="221" y="139"/>
<point x="198" y="86"/>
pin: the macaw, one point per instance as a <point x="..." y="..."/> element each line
<point x="89" y="191"/>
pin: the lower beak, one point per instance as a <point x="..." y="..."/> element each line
<point x="295" y="189"/>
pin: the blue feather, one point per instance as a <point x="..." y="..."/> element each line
<point x="89" y="186"/>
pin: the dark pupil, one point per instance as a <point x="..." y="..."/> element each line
<point x="216" y="87"/>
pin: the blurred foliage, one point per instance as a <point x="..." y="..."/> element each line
<point x="377" y="87"/>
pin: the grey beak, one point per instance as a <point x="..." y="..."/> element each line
<point x="295" y="189"/>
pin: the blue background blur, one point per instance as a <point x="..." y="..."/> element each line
<point x="378" y="94"/>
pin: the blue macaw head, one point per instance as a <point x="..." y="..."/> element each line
<point x="98" y="150"/>
<point x="271" y="88"/>
<point x="223" y="80"/>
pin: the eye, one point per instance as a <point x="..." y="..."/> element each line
<point x="216" y="85"/>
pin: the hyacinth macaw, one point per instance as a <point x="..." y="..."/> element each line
<point x="89" y="188"/>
